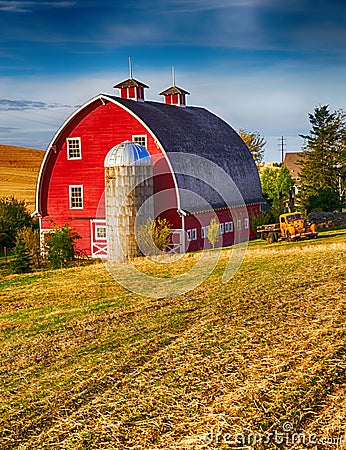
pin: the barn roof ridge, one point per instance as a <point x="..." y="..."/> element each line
<point x="193" y="130"/>
<point x="198" y="131"/>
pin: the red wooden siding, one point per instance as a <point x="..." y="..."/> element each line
<point x="100" y="129"/>
<point x="199" y="220"/>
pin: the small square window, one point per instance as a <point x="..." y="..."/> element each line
<point x="246" y="223"/>
<point x="140" y="139"/>
<point x="76" y="197"/>
<point x="230" y="227"/>
<point x="101" y="232"/>
<point x="74" y="150"/>
<point x="222" y="228"/>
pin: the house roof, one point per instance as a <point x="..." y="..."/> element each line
<point x="291" y="161"/>
<point x="197" y="131"/>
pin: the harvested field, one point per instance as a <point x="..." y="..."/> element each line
<point x="85" y="364"/>
<point x="19" y="168"/>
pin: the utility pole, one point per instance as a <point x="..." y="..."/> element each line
<point x="282" y="148"/>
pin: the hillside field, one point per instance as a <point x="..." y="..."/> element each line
<point x="19" y="168"/>
<point x="85" y="364"/>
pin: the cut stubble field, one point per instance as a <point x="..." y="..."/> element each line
<point x="19" y="169"/>
<point x="85" y="364"/>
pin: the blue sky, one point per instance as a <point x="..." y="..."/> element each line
<point x="261" y="65"/>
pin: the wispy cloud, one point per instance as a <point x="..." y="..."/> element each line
<point x="7" y="129"/>
<point x="22" y="105"/>
<point x="195" y="6"/>
<point x="23" y="6"/>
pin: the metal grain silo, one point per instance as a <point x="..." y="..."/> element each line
<point x="129" y="183"/>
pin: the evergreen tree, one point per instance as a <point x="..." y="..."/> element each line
<point x="31" y="239"/>
<point x="21" y="262"/>
<point x="323" y="162"/>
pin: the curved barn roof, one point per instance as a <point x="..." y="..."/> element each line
<point x="197" y="131"/>
<point x="186" y="130"/>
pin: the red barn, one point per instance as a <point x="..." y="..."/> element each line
<point x="71" y="181"/>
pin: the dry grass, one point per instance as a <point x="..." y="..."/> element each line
<point x="87" y="365"/>
<point x="19" y="169"/>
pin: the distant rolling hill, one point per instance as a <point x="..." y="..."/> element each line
<point x="19" y="168"/>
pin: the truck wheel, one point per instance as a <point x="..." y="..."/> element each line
<point x="276" y="237"/>
<point x="271" y="238"/>
<point x="289" y="237"/>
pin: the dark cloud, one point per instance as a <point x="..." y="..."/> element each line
<point x="7" y="129"/>
<point x="306" y="25"/>
<point x="21" y="105"/>
<point x="303" y="25"/>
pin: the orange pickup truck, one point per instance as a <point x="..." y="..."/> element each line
<point x="291" y="226"/>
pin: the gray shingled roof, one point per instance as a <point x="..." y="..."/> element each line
<point x="197" y="131"/>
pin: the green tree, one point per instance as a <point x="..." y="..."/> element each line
<point x="60" y="245"/>
<point x="276" y="187"/>
<point x="13" y="217"/>
<point x="21" y="262"/>
<point x="323" y="162"/>
<point x="213" y="233"/>
<point x="255" y="143"/>
<point x="154" y="236"/>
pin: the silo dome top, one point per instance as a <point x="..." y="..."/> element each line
<point x="128" y="154"/>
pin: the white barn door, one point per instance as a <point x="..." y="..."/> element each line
<point x="98" y="238"/>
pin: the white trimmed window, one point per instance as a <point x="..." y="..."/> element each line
<point x="74" y="148"/>
<point x="228" y="227"/>
<point x="192" y="234"/>
<point x="204" y="232"/>
<point x="239" y="224"/>
<point x="222" y="228"/>
<point x="140" y="139"/>
<point x="101" y="232"/>
<point x="246" y="223"/>
<point x="76" y="196"/>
